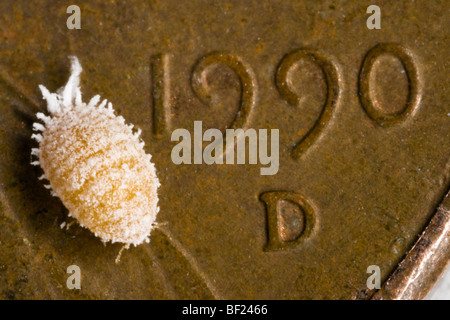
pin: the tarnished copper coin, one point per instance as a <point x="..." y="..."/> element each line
<point x="302" y="148"/>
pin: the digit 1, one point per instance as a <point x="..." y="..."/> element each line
<point x="160" y="94"/>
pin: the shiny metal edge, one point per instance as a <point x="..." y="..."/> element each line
<point x="415" y="276"/>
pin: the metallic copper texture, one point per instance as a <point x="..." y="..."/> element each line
<point x="364" y="147"/>
<point x="424" y="263"/>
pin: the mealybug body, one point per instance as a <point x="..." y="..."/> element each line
<point x="96" y="165"/>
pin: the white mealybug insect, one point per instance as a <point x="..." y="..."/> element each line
<point x="96" y="165"/>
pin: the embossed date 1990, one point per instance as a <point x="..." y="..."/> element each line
<point x="162" y="109"/>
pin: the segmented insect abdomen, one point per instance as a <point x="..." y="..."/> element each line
<point x="97" y="166"/>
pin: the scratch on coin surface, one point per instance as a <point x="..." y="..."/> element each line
<point x="192" y="262"/>
<point x="17" y="89"/>
<point x="7" y="211"/>
<point x="162" y="274"/>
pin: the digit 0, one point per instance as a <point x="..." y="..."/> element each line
<point x="370" y="104"/>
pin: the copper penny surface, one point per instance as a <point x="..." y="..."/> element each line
<point x="363" y="117"/>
